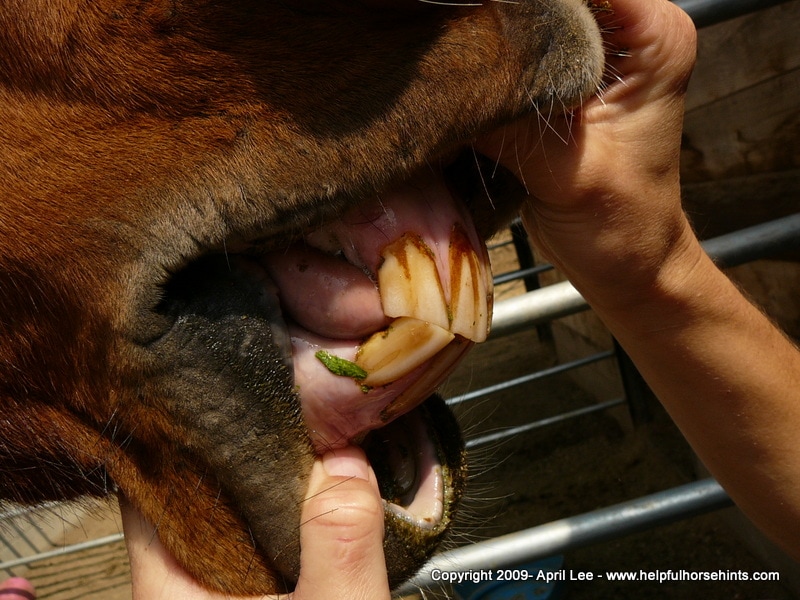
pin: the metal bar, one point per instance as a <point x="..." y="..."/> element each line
<point x="524" y="254"/>
<point x="710" y="12"/>
<point x="580" y="362"/>
<point x="23" y="536"/>
<point x="755" y="242"/>
<point x="522" y="274"/>
<point x="637" y="392"/>
<point x="104" y="541"/>
<point x="18" y="510"/>
<point x="519" y="429"/>
<point x="562" y="299"/>
<point x="578" y="531"/>
<point x="536" y="307"/>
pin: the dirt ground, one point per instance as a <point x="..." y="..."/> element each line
<point x="554" y="472"/>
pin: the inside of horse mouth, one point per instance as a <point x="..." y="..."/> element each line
<point x="405" y="453"/>
<point x="405" y="458"/>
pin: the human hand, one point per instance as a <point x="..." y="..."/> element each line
<point x="17" y="588"/>
<point x="604" y="182"/>
<point x="341" y="540"/>
<point x="604" y="206"/>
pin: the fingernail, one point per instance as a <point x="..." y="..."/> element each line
<point x="346" y="462"/>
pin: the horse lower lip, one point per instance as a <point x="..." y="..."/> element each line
<point x="411" y="477"/>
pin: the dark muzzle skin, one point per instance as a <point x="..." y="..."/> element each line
<point x="158" y="158"/>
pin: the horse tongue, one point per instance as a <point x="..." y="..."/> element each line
<point x="412" y="292"/>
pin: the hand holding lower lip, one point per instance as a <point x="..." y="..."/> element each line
<point x="341" y="533"/>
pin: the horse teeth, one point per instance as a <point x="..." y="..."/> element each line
<point x="411" y="285"/>
<point x="470" y="296"/>
<point x="402" y="347"/>
<point x="439" y="367"/>
<point x="415" y="293"/>
<point x="409" y="282"/>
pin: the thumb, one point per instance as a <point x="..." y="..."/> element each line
<point x="341" y="532"/>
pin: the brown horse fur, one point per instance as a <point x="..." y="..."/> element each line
<point x="140" y="137"/>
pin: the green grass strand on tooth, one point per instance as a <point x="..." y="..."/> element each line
<point x="340" y="366"/>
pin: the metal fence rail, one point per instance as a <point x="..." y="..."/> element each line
<point x="31" y="534"/>
<point x="710" y="12"/>
<point x="562" y="299"/>
<point x="20" y="533"/>
<point x="575" y="532"/>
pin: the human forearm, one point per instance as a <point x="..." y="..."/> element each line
<point x="725" y="374"/>
<point x="731" y="382"/>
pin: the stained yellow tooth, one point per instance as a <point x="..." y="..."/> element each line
<point x="401" y="348"/>
<point x="410" y="285"/>
<point x="440" y="367"/>
<point x="470" y="302"/>
<point x="409" y="282"/>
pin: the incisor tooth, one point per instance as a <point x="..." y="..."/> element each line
<point x="411" y="286"/>
<point x="401" y="348"/>
<point x="470" y="298"/>
<point x="439" y="367"/>
<point x="409" y="282"/>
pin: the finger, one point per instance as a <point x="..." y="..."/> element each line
<point x="17" y="588"/>
<point x="651" y="47"/>
<point x="653" y="39"/>
<point x="341" y="535"/>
